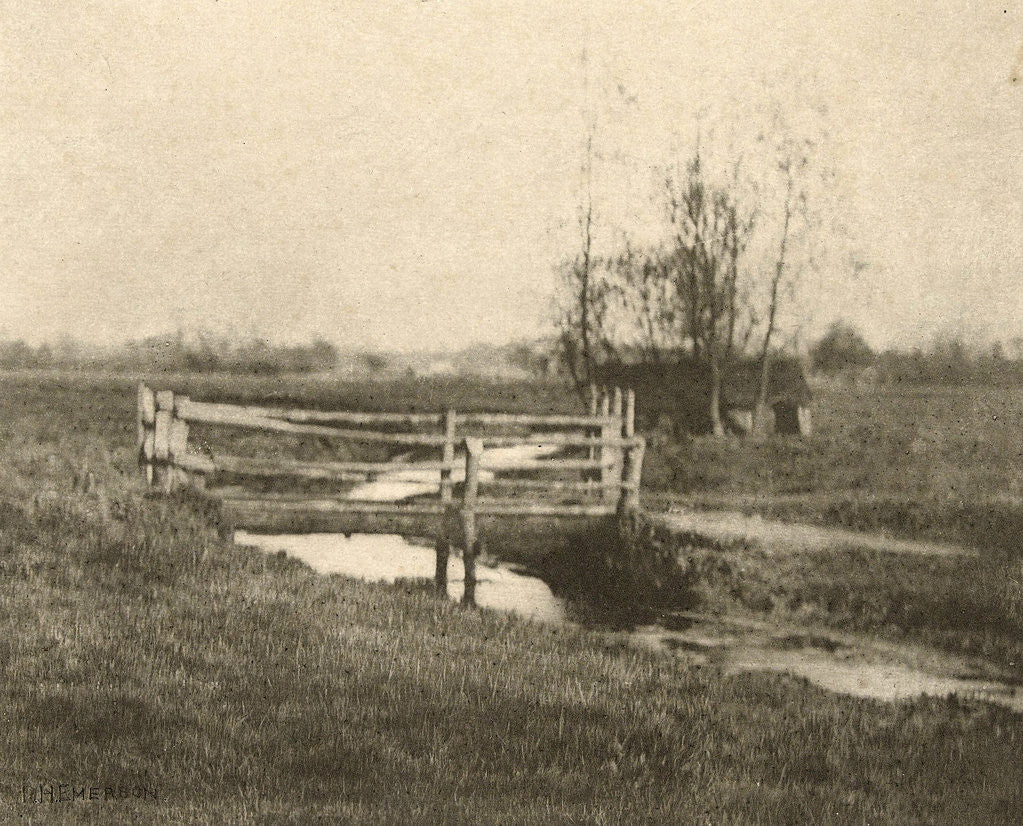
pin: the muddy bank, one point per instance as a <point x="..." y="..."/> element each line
<point x="621" y="569"/>
<point x="843" y="663"/>
<point x="965" y="610"/>
<point x="968" y="605"/>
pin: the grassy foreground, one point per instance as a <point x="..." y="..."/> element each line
<point x="142" y="651"/>
<point x="237" y="686"/>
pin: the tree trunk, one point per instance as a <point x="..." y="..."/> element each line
<point x="717" y="426"/>
<point x="760" y="411"/>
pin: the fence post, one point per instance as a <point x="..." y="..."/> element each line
<point x="163" y="472"/>
<point x="146" y="420"/>
<point x="629" y="498"/>
<point x="606" y="431"/>
<point x="473" y="455"/>
<point x="178" y="477"/>
<point x="443" y="544"/>
<point x="590" y="475"/>
<point x="618" y="451"/>
<point x="630" y="495"/>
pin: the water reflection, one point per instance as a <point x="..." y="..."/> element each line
<point x="385" y="558"/>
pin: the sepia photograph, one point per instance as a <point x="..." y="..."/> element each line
<point x="459" y="412"/>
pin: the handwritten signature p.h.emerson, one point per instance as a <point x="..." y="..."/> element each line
<point x="53" y="793"/>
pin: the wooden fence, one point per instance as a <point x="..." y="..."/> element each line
<point x="551" y="468"/>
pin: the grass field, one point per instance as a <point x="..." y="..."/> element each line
<point x="145" y="651"/>
<point x="942" y="463"/>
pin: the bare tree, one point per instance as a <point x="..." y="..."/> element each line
<point x="588" y="293"/>
<point x="688" y="294"/>
<point x="584" y="303"/>
<point x="774" y="286"/>
<point x="721" y="285"/>
<point x="644" y="292"/>
<point x="796" y="227"/>
<point x="710" y="234"/>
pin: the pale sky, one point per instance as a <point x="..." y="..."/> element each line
<point x="406" y="174"/>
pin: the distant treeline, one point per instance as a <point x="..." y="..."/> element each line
<point x="841" y="352"/>
<point x="926" y="367"/>
<point x="175" y="353"/>
<point x="947" y="360"/>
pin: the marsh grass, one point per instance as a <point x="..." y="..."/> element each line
<point x="243" y="687"/>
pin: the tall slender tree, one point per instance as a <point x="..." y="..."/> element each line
<point x="710" y="232"/>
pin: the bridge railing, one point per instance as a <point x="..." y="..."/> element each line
<point x="553" y="466"/>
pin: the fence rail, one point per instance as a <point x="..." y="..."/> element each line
<point x="209" y="411"/>
<point x="601" y="450"/>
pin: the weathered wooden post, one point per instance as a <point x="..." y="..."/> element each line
<point x="163" y="473"/>
<point x="593" y="433"/>
<point x="632" y="469"/>
<point x="146" y="420"/>
<point x="178" y="476"/>
<point x="618" y="451"/>
<point x="630" y="497"/>
<point x="473" y="455"/>
<point x="443" y="544"/>
<point x="629" y="425"/>
<point x="606" y="431"/>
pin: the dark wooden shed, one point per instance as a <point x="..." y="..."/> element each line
<point x="680" y="391"/>
<point x="788" y="397"/>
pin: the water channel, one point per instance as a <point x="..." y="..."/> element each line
<point x="854" y="665"/>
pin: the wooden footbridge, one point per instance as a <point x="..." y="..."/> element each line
<point x="464" y="478"/>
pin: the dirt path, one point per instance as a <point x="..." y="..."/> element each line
<point x="732" y="527"/>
